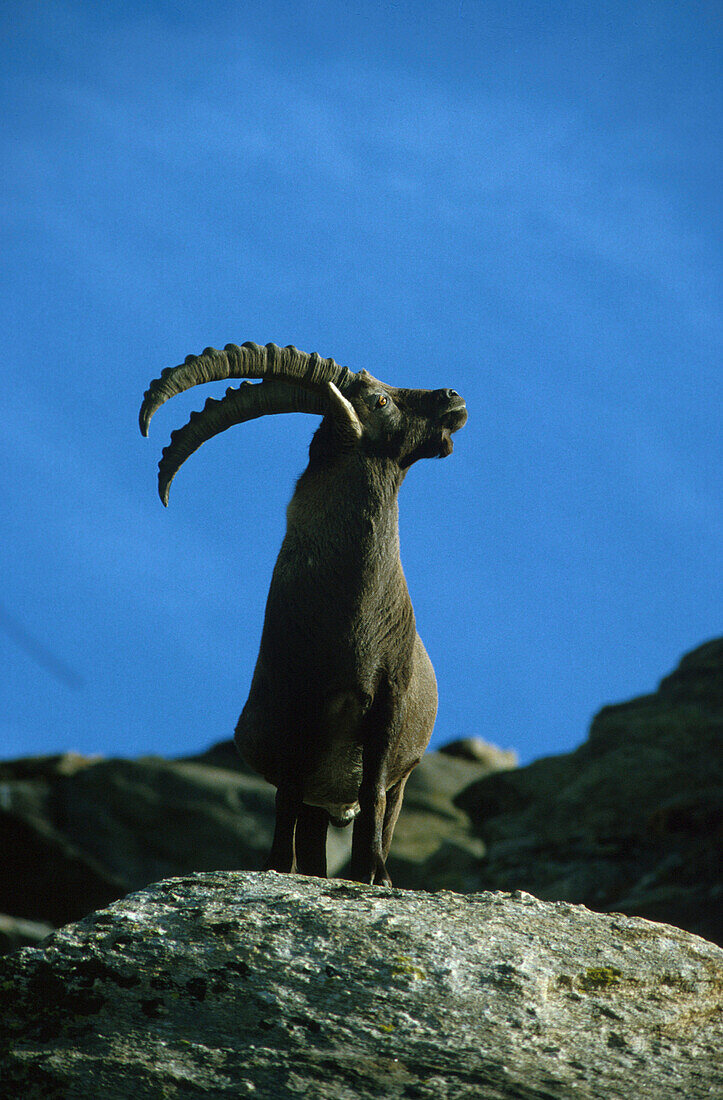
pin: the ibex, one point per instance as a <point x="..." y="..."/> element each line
<point x="343" y="697"/>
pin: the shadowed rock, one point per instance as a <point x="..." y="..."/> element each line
<point x="106" y="827"/>
<point x="632" y="820"/>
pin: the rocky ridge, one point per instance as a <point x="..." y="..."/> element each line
<point x="631" y="821"/>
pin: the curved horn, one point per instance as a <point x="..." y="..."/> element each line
<point x="246" y="402"/>
<point x="247" y="361"/>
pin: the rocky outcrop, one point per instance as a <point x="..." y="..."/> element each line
<point x="106" y="827"/>
<point x="631" y="821"/>
<point x="273" y="986"/>
<point x="81" y="832"/>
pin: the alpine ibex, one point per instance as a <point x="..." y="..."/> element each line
<point x="343" y="698"/>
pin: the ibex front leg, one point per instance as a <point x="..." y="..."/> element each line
<point x="310" y="841"/>
<point x="367" y="849"/>
<point x="288" y="805"/>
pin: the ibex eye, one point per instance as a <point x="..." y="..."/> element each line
<point x="381" y="402"/>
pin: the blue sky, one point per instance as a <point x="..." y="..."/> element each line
<point x="516" y="200"/>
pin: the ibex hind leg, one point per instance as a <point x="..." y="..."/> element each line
<point x="395" y="795"/>
<point x="310" y="843"/>
<point x="372" y="850"/>
<point x="367" y="857"/>
<point x="377" y="808"/>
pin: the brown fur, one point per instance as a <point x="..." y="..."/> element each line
<point x="343" y="698"/>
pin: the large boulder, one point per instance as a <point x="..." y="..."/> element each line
<point x="274" y="986"/>
<point x="630" y="821"/>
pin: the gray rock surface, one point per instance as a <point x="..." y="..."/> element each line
<point x="269" y="986"/>
<point x="474" y="748"/>
<point x="630" y="821"/>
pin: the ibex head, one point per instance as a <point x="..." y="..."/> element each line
<point x="359" y="411"/>
<point x="399" y="424"/>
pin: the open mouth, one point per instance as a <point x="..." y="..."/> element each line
<point x="455" y="417"/>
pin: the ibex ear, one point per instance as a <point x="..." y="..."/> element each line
<point x="346" y="424"/>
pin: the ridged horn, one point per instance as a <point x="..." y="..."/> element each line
<point x="247" y="361"/>
<point x="247" y="402"/>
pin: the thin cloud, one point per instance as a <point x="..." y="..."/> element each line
<point x="41" y="654"/>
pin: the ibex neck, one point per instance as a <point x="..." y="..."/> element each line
<point x="350" y="502"/>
